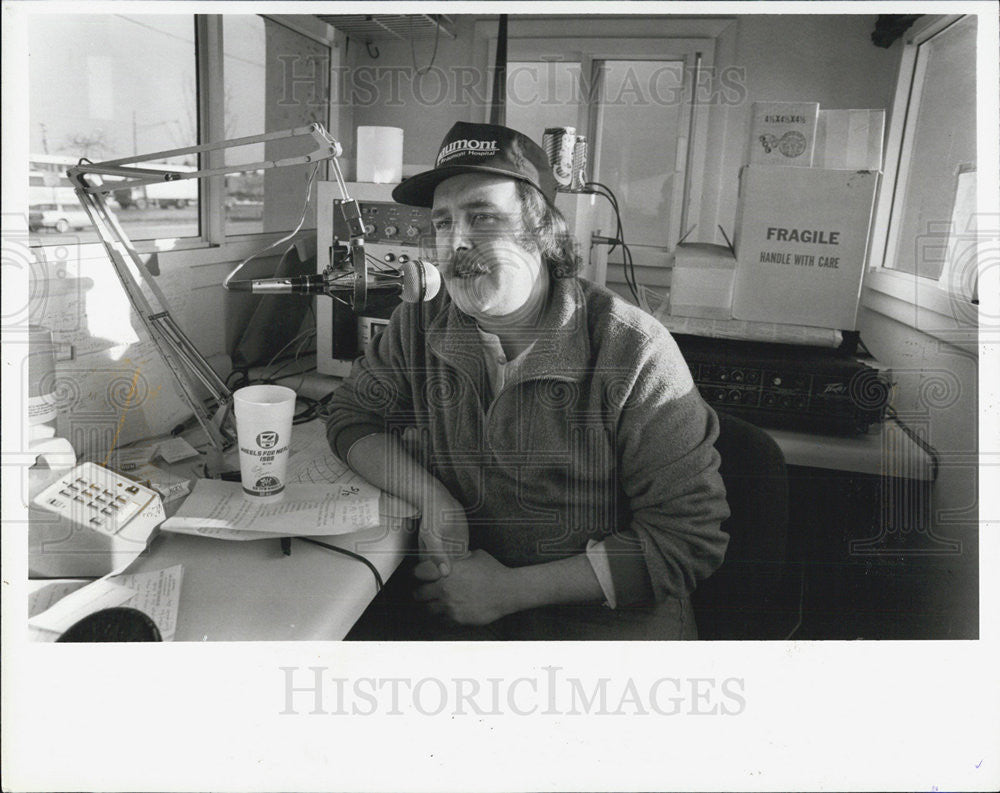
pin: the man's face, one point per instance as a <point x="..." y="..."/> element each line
<point x="487" y="270"/>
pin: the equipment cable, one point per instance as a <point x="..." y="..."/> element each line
<point x="628" y="265"/>
<point x="378" y="578"/>
<point x="286" y="238"/>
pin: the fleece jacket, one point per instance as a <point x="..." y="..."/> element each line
<point x="599" y="435"/>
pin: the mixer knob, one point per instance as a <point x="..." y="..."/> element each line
<point x="412" y="231"/>
<point x="369" y="228"/>
<point x="390" y="231"/>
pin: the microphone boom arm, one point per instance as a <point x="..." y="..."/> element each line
<point x="192" y="373"/>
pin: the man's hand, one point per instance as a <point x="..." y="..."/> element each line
<point x="444" y="532"/>
<point x="475" y="590"/>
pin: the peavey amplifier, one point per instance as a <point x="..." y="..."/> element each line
<point x="787" y="386"/>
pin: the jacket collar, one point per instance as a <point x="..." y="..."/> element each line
<point x="562" y="349"/>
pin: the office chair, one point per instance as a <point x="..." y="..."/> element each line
<point x="753" y="595"/>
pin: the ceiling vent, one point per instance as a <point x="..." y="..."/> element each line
<point x="383" y="27"/>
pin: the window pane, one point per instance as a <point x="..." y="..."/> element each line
<point x="104" y="87"/>
<point x="542" y="94"/>
<point x="642" y="115"/>
<point x="944" y="145"/>
<point x="275" y="79"/>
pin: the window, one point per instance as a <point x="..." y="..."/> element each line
<point x="106" y="86"/>
<point x="939" y="147"/>
<point x="925" y="244"/>
<point x="632" y="98"/>
<point x="275" y="78"/>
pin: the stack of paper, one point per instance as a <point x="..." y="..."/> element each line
<point x="220" y="509"/>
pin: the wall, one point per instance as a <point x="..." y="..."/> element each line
<point x="821" y="58"/>
<point x="824" y="58"/>
<point x="387" y="92"/>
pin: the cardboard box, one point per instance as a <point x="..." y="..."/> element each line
<point x="783" y="133"/>
<point x="801" y="245"/>
<point x="850" y="139"/>
<point x="701" y="284"/>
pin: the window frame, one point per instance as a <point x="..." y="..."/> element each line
<point x="914" y="300"/>
<point x="690" y="42"/>
<point x="212" y="194"/>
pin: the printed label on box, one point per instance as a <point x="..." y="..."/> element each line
<point x="801" y="245"/>
<point x="783" y="133"/>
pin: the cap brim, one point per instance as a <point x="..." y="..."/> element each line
<point x="418" y="190"/>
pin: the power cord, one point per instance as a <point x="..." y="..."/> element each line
<point x="413" y="51"/>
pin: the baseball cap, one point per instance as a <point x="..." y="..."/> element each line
<point x="480" y="148"/>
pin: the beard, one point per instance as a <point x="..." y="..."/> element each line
<point x="495" y="278"/>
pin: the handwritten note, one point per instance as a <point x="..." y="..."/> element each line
<point x="158" y="594"/>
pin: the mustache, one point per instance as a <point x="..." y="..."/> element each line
<point x="470" y="263"/>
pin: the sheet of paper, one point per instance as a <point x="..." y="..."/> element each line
<point x="305" y="509"/>
<point x="50" y="593"/>
<point x="175" y="449"/>
<point x="217" y="533"/>
<point x="58" y="605"/>
<point x="312" y="461"/>
<point x="101" y="594"/>
<point x="158" y="594"/>
<point x="129" y="458"/>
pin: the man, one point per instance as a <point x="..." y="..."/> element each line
<point x="568" y="483"/>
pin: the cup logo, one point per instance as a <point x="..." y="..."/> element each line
<point x="267" y="440"/>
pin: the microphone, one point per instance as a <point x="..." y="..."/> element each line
<point x="418" y="281"/>
<point x="421" y="281"/>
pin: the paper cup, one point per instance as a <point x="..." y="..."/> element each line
<point x="264" y="434"/>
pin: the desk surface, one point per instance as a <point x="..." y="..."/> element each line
<point x="885" y="450"/>
<point x="250" y="591"/>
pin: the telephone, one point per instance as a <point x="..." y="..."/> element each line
<point x="90" y="522"/>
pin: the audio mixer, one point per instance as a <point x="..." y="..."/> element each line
<point x="787" y="386"/>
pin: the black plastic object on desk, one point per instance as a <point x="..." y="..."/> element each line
<point x="120" y="624"/>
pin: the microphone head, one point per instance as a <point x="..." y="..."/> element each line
<point x="421" y="281"/>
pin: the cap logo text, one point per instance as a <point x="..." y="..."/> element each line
<point x="467" y="145"/>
